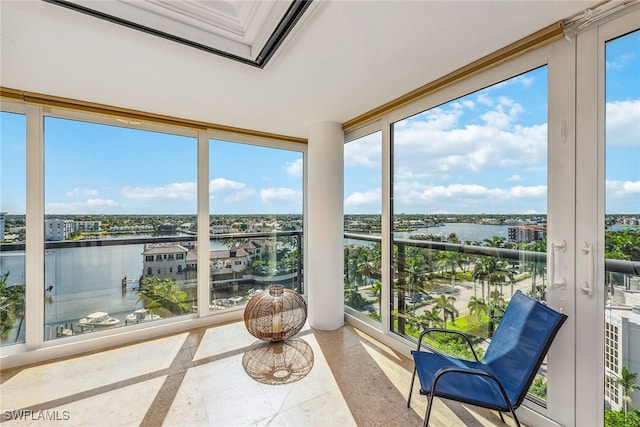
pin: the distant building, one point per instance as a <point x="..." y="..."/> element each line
<point x="131" y="228"/>
<point x="165" y="261"/>
<point x="2" y="215"/>
<point x="86" y="226"/>
<point x="622" y="341"/>
<point x="527" y="233"/>
<point x="178" y="261"/>
<point x="228" y="261"/>
<point x="167" y="228"/>
<point x="57" y="229"/>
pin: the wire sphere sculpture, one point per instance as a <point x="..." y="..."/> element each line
<point x="278" y="363"/>
<point x="275" y="315"/>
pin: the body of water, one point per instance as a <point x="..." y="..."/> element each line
<point x="464" y="231"/>
<point x="84" y="280"/>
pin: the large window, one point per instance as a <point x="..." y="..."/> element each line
<point x="12" y="227"/>
<point x="256" y="204"/>
<point x="114" y="198"/>
<point x="622" y="230"/>
<point x="470" y="211"/>
<point x="363" y="226"/>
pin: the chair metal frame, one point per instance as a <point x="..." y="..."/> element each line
<point x="478" y="368"/>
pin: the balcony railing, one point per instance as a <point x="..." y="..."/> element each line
<point x="98" y="284"/>
<point x="457" y="286"/>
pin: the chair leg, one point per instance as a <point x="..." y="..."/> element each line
<point x="428" y="413"/>
<point x="501" y="417"/>
<point x="513" y="414"/>
<point x="411" y="389"/>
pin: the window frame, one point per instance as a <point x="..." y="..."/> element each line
<point x="34" y="253"/>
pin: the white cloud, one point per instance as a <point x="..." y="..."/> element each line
<point x="91" y="206"/>
<point x="364" y="198"/>
<point x="415" y="197"/>
<point x="433" y="145"/>
<point x="230" y="191"/>
<point x="223" y="184"/>
<point x="484" y="99"/>
<point x="515" y="177"/>
<point x="185" y="191"/>
<point x="239" y="195"/>
<point x="366" y="151"/>
<point x="275" y="195"/>
<point x="294" y="168"/>
<point x="622" y="189"/>
<point x="621" y="61"/>
<point x="623" y="123"/>
<point x="82" y="192"/>
<point x="537" y="191"/>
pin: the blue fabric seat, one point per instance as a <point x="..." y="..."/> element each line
<point x="501" y="379"/>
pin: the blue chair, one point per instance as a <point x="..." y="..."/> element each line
<point x="501" y="379"/>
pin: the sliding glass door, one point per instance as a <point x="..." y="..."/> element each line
<point x="608" y="223"/>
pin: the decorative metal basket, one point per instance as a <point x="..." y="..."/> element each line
<point x="276" y="314"/>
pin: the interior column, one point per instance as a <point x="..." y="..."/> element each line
<point x="324" y="275"/>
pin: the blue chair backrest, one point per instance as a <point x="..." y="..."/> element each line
<point x="520" y="344"/>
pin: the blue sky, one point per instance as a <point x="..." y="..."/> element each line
<point x="486" y="152"/>
<point x="483" y="153"/>
<point x="98" y="169"/>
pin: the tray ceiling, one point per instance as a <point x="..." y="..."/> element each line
<point x="247" y="31"/>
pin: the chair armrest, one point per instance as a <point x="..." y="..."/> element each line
<point x="448" y="331"/>
<point x="470" y="371"/>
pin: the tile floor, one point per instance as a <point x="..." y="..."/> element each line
<point x="222" y="376"/>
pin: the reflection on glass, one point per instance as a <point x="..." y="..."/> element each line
<point x="622" y="232"/>
<point x="12" y="227"/>
<point x="255" y="196"/>
<point x="113" y="197"/>
<point x="469" y="212"/>
<point x="278" y="363"/>
<point x="363" y="224"/>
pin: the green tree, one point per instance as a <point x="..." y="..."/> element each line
<point x="162" y="296"/>
<point x="620" y="419"/>
<point x="12" y="306"/>
<point x="376" y="288"/>
<point x="477" y="306"/>
<point x="352" y="296"/>
<point x="627" y="381"/>
<point x="446" y="304"/>
<point x="539" y="388"/>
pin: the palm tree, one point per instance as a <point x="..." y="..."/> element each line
<point x="496" y="309"/>
<point x="480" y="274"/>
<point x="376" y="288"/>
<point x="445" y="304"/>
<point x="162" y="296"/>
<point x="351" y="255"/>
<point x="352" y="296"/>
<point x="627" y="381"/>
<point x="477" y="306"/>
<point x="12" y="306"/>
<point x="495" y="242"/>
<point x="427" y="319"/>
<point x="366" y="267"/>
<point x="415" y="269"/>
<point x="450" y="261"/>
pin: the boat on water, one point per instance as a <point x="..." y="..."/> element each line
<point x="99" y="319"/>
<point x="141" y="315"/>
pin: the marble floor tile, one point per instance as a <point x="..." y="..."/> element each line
<point x="222" y="376"/>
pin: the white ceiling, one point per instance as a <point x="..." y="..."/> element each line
<point x="239" y="28"/>
<point x="342" y="59"/>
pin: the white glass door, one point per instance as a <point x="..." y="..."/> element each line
<point x="607" y="285"/>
